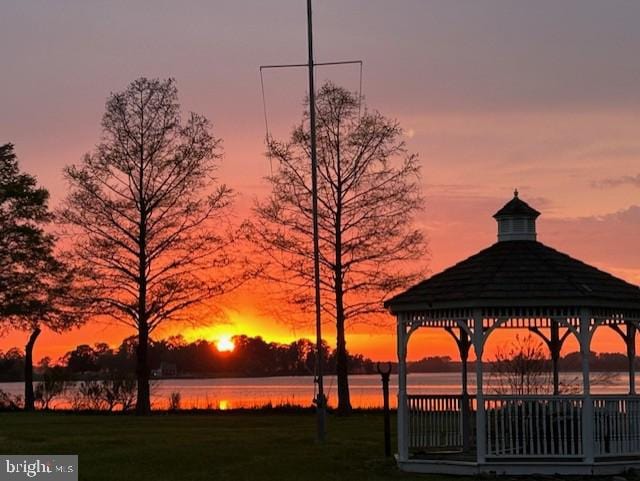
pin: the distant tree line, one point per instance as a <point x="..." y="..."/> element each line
<point x="572" y="361"/>
<point x="252" y="357"/>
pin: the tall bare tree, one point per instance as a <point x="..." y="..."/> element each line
<point x="36" y="287"/>
<point x="368" y="196"/>
<point x="149" y="217"/>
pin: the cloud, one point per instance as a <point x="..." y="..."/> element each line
<point x="607" y="241"/>
<point x="633" y="180"/>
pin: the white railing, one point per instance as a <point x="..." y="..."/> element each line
<point x="436" y="421"/>
<point x="616" y="425"/>
<point x="533" y="426"/>
<point x="536" y="426"/>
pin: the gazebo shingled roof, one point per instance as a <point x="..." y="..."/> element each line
<point x="520" y="270"/>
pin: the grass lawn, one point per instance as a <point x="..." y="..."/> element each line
<point x="214" y="446"/>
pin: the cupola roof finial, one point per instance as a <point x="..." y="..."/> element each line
<point x="516" y="220"/>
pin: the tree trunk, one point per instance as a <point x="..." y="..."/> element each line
<point x="143" y="401"/>
<point x="342" y="358"/>
<point x="342" y="361"/>
<point x="29" y="396"/>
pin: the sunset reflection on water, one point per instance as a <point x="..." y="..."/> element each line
<point x="235" y="393"/>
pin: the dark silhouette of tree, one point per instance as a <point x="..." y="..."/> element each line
<point x="23" y="242"/>
<point x="434" y="364"/>
<point x="521" y="368"/>
<point x="252" y="357"/>
<point x="53" y="384"/>
<point x="12" y="365"/>
<point x="368" y="195"/>
<point x="149" y="217"/>
<point x="36" y="288"/>
<point x="82" y="359"/>
<point x="58" y="306"/>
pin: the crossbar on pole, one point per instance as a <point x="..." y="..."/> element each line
<point x="315" y="64"/>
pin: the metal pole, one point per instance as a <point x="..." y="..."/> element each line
<point x="320" y="399"/>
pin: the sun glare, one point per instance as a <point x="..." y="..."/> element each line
<point x="225" y="344"/>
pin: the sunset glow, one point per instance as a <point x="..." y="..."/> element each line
<point x="493" y="110"/>
<point x="301" y="240"/>
<point x="225" y="344"/>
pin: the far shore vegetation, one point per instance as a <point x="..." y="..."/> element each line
<point x="251" y="357"/>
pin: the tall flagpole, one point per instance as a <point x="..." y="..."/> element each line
<point x="320" y="399"/>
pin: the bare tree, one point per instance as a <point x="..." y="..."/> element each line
<point x="53" y="385"/>
<point x="368" y="195"/>
<point x="148" y="216"/>
<point x="521" y="368"/>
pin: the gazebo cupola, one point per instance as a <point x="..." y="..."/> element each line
<point x="516" y="220"/>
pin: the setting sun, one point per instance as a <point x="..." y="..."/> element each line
<point x="225" y="344"/>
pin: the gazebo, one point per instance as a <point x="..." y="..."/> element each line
<point x="518" y="283"/>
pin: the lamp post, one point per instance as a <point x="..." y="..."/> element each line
<point x="384" y="374"/>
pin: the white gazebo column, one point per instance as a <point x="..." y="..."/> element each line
<point x="587" y="403"/>
<point x="403" y="417"/>
<point x="554" y="346"/>
<point x="463" y="342"/>
<point x="629" y="338"/>
<point x="464" y="407"/>
<point x="481" y="426"/>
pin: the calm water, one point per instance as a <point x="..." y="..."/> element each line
<point x="365" y="389"/>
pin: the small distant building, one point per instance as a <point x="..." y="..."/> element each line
<point x="518" y="283"/>
<point x="166" y="369"/>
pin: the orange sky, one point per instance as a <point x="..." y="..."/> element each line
<point x="493" y="95"/>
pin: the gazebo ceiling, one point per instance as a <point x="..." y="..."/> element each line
<point x="515" y="273"/>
